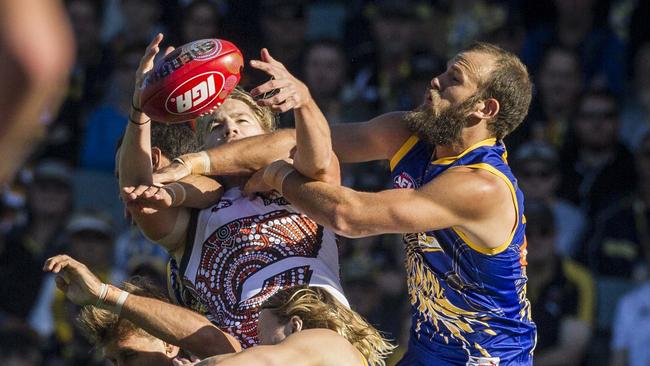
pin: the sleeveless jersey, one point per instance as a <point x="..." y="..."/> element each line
<point x="468" y="302"/>
<point x="240" y="252"/>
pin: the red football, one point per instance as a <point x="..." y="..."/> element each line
<point x="193" y="80"/>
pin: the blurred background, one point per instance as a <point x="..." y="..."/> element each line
<point x="582" y="156"/>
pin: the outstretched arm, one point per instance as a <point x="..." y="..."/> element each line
<point x="166" y="226"/>
<point x="377" y="139"/>
<point x="472" y="200"/>
<point x="171" y="323"/>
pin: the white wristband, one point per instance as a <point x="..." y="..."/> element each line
<point x="206" y="162"/>
<point x="103" y="291"/>
<point x="201" y="164"/>
<point x="120" y="302"/>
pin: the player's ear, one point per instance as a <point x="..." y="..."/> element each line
<point x="296" y="324"/>
<point x="486" y="109"/>
<point x="156" y="155"/>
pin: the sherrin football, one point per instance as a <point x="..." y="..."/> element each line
<point x="191" y="81"/>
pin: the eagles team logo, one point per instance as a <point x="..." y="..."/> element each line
<point x="404" y="180"/>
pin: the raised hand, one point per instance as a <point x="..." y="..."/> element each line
<point x="292" y="93"/>
<point x="146" y="65"/>
<point x="76" y="281"/>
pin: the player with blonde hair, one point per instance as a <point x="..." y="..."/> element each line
<point x="308" y="326"/>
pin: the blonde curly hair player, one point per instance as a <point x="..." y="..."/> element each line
<point x="316" y="308"/>
<point x="302" y="325"/>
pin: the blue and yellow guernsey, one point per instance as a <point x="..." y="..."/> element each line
<point x="468" y="302"/>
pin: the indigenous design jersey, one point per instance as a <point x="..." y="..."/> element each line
<point x="242" y="252"/>
<point x="468" y="303"/>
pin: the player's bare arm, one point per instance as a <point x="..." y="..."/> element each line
<point x="377" y="139"/>
<point x="468" y="199"/>
<point x="182" y="327"/>
<point x="166" y="226"/>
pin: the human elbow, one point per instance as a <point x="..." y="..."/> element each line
<point x="210" y="341"/>
<point x="317" y="169"/>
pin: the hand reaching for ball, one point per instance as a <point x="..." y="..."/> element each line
<point x="291" y="92"/>
<point x="146" y="65"/>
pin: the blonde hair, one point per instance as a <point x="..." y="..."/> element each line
<point x="264" y="115"/>
<point x="102" y="326"/>
<point x="319" y="309"/>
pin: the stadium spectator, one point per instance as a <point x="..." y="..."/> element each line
<point x="49" y="201"/>
<point x="141" y="22"/>
<point x="620" y="244"/>
<point x="20" y="346"/>
<point x="87" y="82"/>
<point x="561" y="293"/>
<point x="88" y="235"/>
<point x="200" y="20"/>
<point x="582" y="26"/>
<point x="537" y="167"/>
<point x="635" y="118"/>
<point x="104" y="125"/>
<point x="326" y="73"/>
<point x="632" y="329"/>
<point x="597" y="169"/>
<point x="559" y="85"/>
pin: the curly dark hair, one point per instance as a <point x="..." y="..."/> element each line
<point x="174" y="140"/>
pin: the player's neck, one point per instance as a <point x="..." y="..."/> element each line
<point x="469" y="137"/>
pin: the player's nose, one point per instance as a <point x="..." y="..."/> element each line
<point x="230" y="128"/>
<point x="435" y="83"/>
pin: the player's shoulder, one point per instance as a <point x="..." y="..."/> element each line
<point x="318" y="338"/>
<point x="471" y="180"/>
<point x="316" y="342"/>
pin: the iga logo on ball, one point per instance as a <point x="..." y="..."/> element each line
<point x="195" y="93"/>
<point x="192" y="81"/>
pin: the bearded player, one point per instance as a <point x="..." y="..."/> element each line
<point x="454" y="199"/>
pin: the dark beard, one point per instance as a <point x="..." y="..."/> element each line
<point x="440" y="128"/>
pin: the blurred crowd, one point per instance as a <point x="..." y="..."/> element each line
<point x="582" y="157"/>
